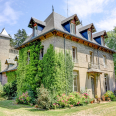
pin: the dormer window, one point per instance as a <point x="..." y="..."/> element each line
<point x="72" y="28"/>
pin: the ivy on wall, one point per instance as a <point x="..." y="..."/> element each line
<point x="27" y="76"/>
<point x="51" y="70"/>
<point x="11" y="76"/>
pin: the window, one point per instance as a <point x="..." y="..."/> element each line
<point x="89" y="35"/>
<point x="96" y="61"/>
<point x="73" y="28"/>
<point x="104" y="61"/>
<point x="28" y="58"/>
<point x="74" y="54"/>
<point x="10" y="65"/>
<point x="86" y="58"/>
<point x="106" y="84"/>
<point x="41" y="53"/>
<point x="75" y="81"/>
<point x="91" y="57"/>
<point x="102" y="41"/>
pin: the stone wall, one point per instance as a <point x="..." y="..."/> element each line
<point x="83" y="58"/>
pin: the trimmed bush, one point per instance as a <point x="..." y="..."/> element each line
<point x="10" y="89"/>
<point x="73" y="99"/>
<point x="24" y="98"/>
<point x="43" y="99"/>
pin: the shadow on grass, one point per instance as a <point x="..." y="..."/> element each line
<point x="9" y="104"/>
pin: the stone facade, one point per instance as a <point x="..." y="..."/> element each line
<point x="6" y="52"/>
<point x="81" y="66"/>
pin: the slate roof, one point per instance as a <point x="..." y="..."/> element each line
<point x="69" y="18"/>
<point x="87" y="27"/>
<point x="54" y="22"/>
<point x="38" y="21"/>
<point x="9" y="61"/>
<point x="100" y="34"/>
<point x="14" y="67"/>
<point x="4" y="34"/>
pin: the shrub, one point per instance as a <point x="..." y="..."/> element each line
<point x="73" y="99"/>
<point x="108" y="94"/>
<point x="112" y="97"/>
<point x="115" y="92"/>
<point x="10" y="89"/>
<point x="1" y="89"/>
<point x="24" y="98"/>
<point x="43" y="99"/>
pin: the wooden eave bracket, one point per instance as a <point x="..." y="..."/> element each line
<point x="49" y="35"/>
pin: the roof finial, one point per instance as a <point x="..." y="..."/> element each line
<point x="52" y="8"/>
<point x="67" y="8"/>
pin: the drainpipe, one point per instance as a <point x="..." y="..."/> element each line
<point x="99" y="68"/>
<point x="65" y="62"/>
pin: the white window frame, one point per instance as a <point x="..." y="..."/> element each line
<point x="104" y="61"/>
<point x="91" y="56"/>
<point x="72" y="28"/>
<point x="89" y="35"/>
<point x="102" y="41"/>
<point x="75" y="75"/>
<point x="74" y="59"/>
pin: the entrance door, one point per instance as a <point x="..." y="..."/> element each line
<point x="92" y="86"/>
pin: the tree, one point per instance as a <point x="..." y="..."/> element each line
<point x="111" y="43"/>
<point x="20" y="36"/>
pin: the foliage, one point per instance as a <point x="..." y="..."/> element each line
<point x="115" y="92"/>
<point x="19" y="37"/>
<point x="27" y="74"/>
<point x="24" y="98"/>
<point x="51" y="70"/>
<point x="111" y="43"/>
<point x="10" y="89"/>
<point x="43" y="99"/>
<point x="1" y="89"/>
<point x="57" y="77"/>
<point x="108" y="93"/>
<point x="11" y="76"/>
<point x="73" y="99"/>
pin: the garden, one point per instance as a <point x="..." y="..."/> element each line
<point x="46" y="84"/>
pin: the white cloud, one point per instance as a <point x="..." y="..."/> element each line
<point x="108" y="22"/>
<point x="8" y="14"/>
<point x="83" y="8"/>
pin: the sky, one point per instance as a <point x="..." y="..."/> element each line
<point x="16" y="14"/>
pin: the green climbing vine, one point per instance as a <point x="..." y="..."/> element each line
<point x="54" y="70"/>
<point x="27" y="76"/>
<point x="11" y="76"/>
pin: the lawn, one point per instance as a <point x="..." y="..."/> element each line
<point x="8" y="108"/>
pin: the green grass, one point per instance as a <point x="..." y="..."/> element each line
<point x="8" y="108"/>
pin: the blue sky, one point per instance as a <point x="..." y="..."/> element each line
<point x="16" y="14"/>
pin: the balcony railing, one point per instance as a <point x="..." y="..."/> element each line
<point x="92" y="65"/>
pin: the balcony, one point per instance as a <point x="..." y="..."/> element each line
<point x="92" y="65"/>
<point x="93" y="68"/>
